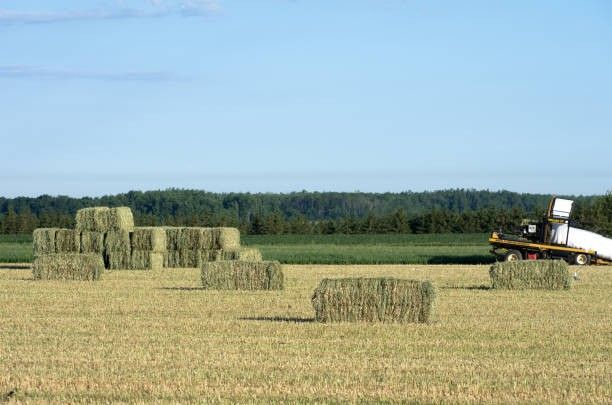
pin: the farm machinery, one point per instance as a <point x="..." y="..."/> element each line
<point x="554" y="237"/>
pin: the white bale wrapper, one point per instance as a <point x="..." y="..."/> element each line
<point x="581" y="239"/>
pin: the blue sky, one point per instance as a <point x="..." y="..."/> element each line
<point x="101" y="97"/>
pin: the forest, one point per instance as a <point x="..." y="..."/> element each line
<point x="447" y="211"/>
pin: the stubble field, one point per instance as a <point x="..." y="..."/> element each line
<point x="139" y="336"/>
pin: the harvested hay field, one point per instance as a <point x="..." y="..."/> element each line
<point x="68" y="266"/>
<point x="540" y="274"/>
<point x="238" y="275"/>
<point x="373" y="300"/>
<point x="157" y="336"/>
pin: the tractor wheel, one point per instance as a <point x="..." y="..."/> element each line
<point x="513" y="256"/>
<point x="582" y="260"/>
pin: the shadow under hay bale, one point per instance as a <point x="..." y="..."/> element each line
<point x="532" y="274"/>
<point x="373" y="300"/>
<point x="68" y="266"/>
<point x="239" y="275"/>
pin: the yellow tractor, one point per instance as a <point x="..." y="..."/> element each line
<point x="553" y="238"/>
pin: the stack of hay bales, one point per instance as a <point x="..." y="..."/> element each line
<point x="68" y="266"/>
<point x="195" y="246"/>
<point x="107" y="231"/>
<point x="110" y="232"/>
<point x="240" y="275"/>
<point x="531" y="274"/>
<point x="148" y="248"/>
<point x="373" y="300"/>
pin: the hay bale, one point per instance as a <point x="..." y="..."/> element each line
<point x="373" y="300"/>
<point x="531" y="274"/>
<point x="146" y="260"/>
<point x="243" y="254"/>
<point x="68" y="266"/>
<point x="226" y="238"/>
<point x="149" y="238"/>
<point x="235" y="275"/>
<point x="118" y="260"/>
<point x="67" y="241"/>
<point x="92" y="242"/>
<point x="172" y="259"/>
<point x="43" y="241"/>
<point x="190" y="258"/>
<point x="104" y="219"/>
<point x="94" y="219"/>
<point x="120" y="219"/>
<point x="173" y="236"/>
<point x="117" y="241"/>
<point x="196" y="239"/>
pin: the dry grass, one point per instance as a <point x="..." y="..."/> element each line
<point x="156" y="337"/>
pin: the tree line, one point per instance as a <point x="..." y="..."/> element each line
<point x="450" y="211"/>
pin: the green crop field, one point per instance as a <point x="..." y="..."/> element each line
<point x="332" y="249"/>
<point x="373" y="249"/>
<point x="155" y="336"/>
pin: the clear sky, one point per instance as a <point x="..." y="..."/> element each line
<point x="101" y="97"/>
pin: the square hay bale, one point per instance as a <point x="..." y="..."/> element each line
<point x="173" y="236"/>
<point x="146" y="260"/>
<point x="43" y="241"/>
<point x="121" y="260"/>
<point x="67" y="241"/>
<point x="190" y="258"/>
<point x="226" y="238"/>
<point x="68" y="266"/>
<point x="92" y="219"/>
<point x="235" y="275"/>
<point x="117" y="241"/>
<point x="196" y="239"/>
<point x="92" y="242"/>
<point x="172" y="259"/>
<point x="531" y="274"/>
<point x="373" y="300"/>
<point x="243" y="254"/>
<point x="120" y="219"/>
<point x="149" y="238"/>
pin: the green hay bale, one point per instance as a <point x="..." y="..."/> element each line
<point x="118" y="260"/>
<point x="172" y="259"/>
<point x="173" y="236"/>
<point x="196" y="239"/>
<point x="68" y="266"/>
<point x="532" y="274"/>
<point x="120" y="219"/>
<point x="235" y="275"/>
<point x="67" y="241"/>
<point x="117" y="241"/>
<point x="189" y="258"/>
<point x="226" y="238"/>
<point x="92" y="242"/>
<point x="93" y="219"/>
<point x="373" y="300"/>
<point x="149" y="238"/>
<point x="43" y="241"/>
<point x="243" y="254"/>
<point x="146" y="260"/>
